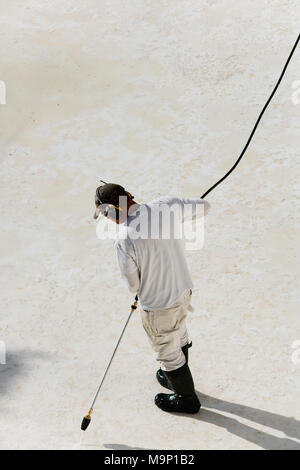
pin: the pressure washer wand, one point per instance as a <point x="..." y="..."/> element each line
<point x="87" y="419"/>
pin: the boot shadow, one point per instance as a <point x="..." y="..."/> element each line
<point x="289" y="426"/>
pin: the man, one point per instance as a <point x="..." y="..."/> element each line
<point x="152" y="262"/>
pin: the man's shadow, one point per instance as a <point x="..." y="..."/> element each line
<point x="288" y="426"/>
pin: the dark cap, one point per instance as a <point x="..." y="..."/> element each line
<point x="110" y="193"/>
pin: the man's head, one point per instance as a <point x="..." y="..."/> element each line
<point x="112" y="201"/>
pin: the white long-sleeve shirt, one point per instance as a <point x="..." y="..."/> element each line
<point x="150" y="250"/>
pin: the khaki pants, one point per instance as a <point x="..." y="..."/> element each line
<point x="166" y="330"/>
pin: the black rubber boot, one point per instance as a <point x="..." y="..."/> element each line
<point x="162" y="379"/>
<point x="184" y="400"/>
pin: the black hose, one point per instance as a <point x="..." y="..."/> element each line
<point x="257" y="122"/>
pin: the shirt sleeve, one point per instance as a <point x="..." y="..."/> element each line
<point x="127" y="264"/>
<point x="190" y="208"/>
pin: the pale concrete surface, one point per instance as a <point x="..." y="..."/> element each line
<point x="159" y="96"/>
